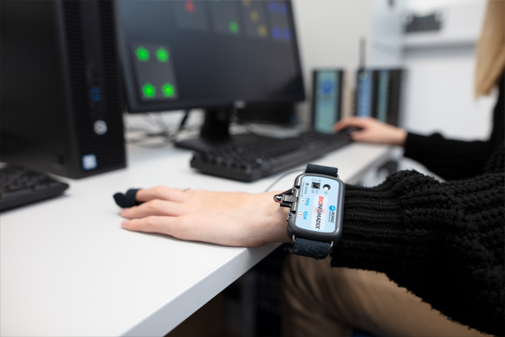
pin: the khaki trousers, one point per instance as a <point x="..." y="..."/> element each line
<point x="319" y="300"/>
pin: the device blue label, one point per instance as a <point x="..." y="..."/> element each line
<point x="316" y="205"/>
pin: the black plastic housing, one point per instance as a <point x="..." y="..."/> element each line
<point x="60" y="89"/>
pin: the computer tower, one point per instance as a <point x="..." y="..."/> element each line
<point x="61" y="106"/>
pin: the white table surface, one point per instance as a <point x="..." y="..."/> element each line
<point x="67" y="268"/>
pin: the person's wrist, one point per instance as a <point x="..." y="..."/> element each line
<point x="399" y="137"/>
<point x="276" y="218"/>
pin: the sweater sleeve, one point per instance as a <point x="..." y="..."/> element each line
<point x="444" y="242"/>
<point x="450" y="159"/>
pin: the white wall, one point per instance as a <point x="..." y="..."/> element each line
<point x="439" y="95"/>
<point x="329" y="32"/>
<point x="385" y="42"/>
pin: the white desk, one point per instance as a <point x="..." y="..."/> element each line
<point x="69" y="269"/>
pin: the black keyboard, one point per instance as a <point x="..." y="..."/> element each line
<point x="251" y="157"/>
<point x="20" y="186"/>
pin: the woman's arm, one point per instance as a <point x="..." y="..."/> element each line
<point x="230" y="219"/>
<point x="450" y="159"/>
<point x="442" y="241"/>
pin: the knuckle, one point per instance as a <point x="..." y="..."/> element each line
<point x="152" y="205"/>
<point x="160" y="189"/>
<point x="151" y="221"/>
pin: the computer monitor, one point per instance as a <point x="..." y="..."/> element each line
<point x="216" y="55"/>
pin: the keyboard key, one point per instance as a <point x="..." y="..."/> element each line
<point x="16" y="193"/>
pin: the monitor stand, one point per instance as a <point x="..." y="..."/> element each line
<point x="215" y="132"/>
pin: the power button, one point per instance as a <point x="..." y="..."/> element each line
<point x="100" y="127"/>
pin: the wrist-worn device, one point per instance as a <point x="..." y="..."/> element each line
<point x="316" y="209"/>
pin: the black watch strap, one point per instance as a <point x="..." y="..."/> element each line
<point x="316" y="249"/>
<point x="319" y="169"/>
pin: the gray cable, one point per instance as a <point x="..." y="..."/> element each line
<point x="282" y="176"/>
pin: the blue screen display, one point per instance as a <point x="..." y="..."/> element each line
<point x="326" y="100"/>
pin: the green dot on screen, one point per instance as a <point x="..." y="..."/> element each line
<point x="149" y="90"/>
<point x="168" y="90"/>
<point x="142" y="54"/>
<point x="234" y="28"/>
<point x="162" y="55"/>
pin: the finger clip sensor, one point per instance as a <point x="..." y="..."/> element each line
<point x="125" y="200"/>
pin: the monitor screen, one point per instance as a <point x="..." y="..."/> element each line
<point x="207" y="54"/>
<point x="327" y="99"/>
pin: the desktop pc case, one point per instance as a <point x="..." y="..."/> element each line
<point x="61" y="107"/>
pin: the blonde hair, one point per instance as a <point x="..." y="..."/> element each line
<point x="490" y="48"/>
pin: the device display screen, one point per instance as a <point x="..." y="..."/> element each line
<point x="199" y="54"/>
<point x="317" y="204"/>
<point x="326" y="100"/>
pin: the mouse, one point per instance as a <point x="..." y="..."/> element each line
<point x="125" y="200"/>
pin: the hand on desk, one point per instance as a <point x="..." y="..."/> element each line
<point x="373" y="131"/>
<point x="231" y="219"/>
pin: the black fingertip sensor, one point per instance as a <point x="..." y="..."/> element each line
<point x="120" y="200"/>
<point x="127" y="199"/>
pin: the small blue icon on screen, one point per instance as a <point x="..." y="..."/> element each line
<point x="327" y="87"/>
<point x="281" y="7"/>
<point x="305" y="215"/>
<point x="286" y="34"/>
<point x="276" y="33"/>
<point x="272" y="6"/>
<point x="307" y="201"/>
<point x="332" y="208"/>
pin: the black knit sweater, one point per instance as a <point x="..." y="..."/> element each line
<point x="443" y="241"/>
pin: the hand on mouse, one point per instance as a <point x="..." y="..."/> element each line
<point x="231" y="219"/>
<point x="372" y="131"/>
